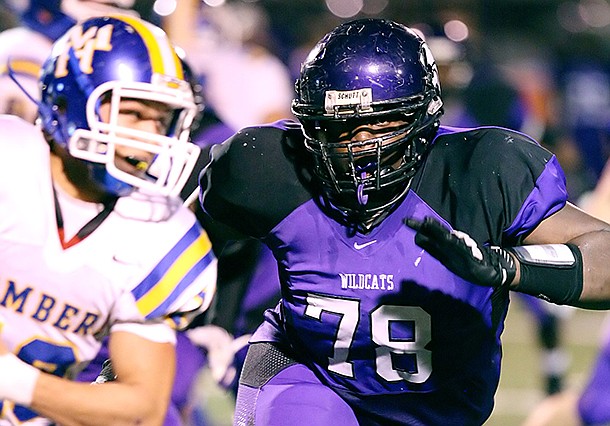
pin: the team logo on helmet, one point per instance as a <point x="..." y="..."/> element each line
<point x="84" y="45"/>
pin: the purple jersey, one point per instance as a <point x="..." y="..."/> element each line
<point x="378" y="319"/>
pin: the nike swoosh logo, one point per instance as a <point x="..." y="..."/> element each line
<point x="363" y="245"/>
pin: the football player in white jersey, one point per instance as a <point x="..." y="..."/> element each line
<point x="93" y="240"/>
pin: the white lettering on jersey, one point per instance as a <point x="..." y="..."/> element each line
<point x="367" y="281"/>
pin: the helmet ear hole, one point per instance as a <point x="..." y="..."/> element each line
<point x="61" y="104"/>
<point x="52" y="119"/>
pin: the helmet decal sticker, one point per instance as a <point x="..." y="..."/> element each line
<point x="84" y="46"/>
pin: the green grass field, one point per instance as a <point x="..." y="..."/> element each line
<point x="521" y="386"/>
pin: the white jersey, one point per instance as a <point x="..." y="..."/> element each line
<point x="24" y="51"/>
<point x="146" y="268"/>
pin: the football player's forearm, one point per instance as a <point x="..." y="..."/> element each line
<point x="596" y="271"/>
<point x="116" y="403"/>
<point x="575" y="273"/>
<point x="553" y="272"/>
<point x="585" y="284"/>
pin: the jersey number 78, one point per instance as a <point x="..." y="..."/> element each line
<point x="381" y="319"/>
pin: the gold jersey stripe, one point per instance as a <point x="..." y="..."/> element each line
<point x="183" y="264"/>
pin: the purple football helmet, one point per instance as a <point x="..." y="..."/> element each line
<point x="109" y="59"/>
<point x="368" y="71"/>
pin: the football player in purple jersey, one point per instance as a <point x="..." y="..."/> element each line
<point x="397" y="241"/>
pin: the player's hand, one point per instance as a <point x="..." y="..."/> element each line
<point x="106" y="375"/>
<point x="482" y="265"/>
<point x="18" y="378"/>
<point x="221" y="348"/>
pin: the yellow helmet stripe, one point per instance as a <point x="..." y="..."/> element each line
<point x="164" y="59"/>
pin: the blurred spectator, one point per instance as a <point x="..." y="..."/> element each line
<point x="583" y="75"/>
<point x="23" y="49"/>
<point x="597" y="202"/>
<point x="244" y="81"/>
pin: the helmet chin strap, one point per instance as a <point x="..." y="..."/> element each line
<point x="13" y="76"/>
<point x="44" y="112"/>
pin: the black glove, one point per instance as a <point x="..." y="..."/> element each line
<point x="482" y="265"/>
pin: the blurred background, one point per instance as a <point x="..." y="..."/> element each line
<point x="538" y="66"/>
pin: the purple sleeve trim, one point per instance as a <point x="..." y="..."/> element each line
<point x="547" y="197"/>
